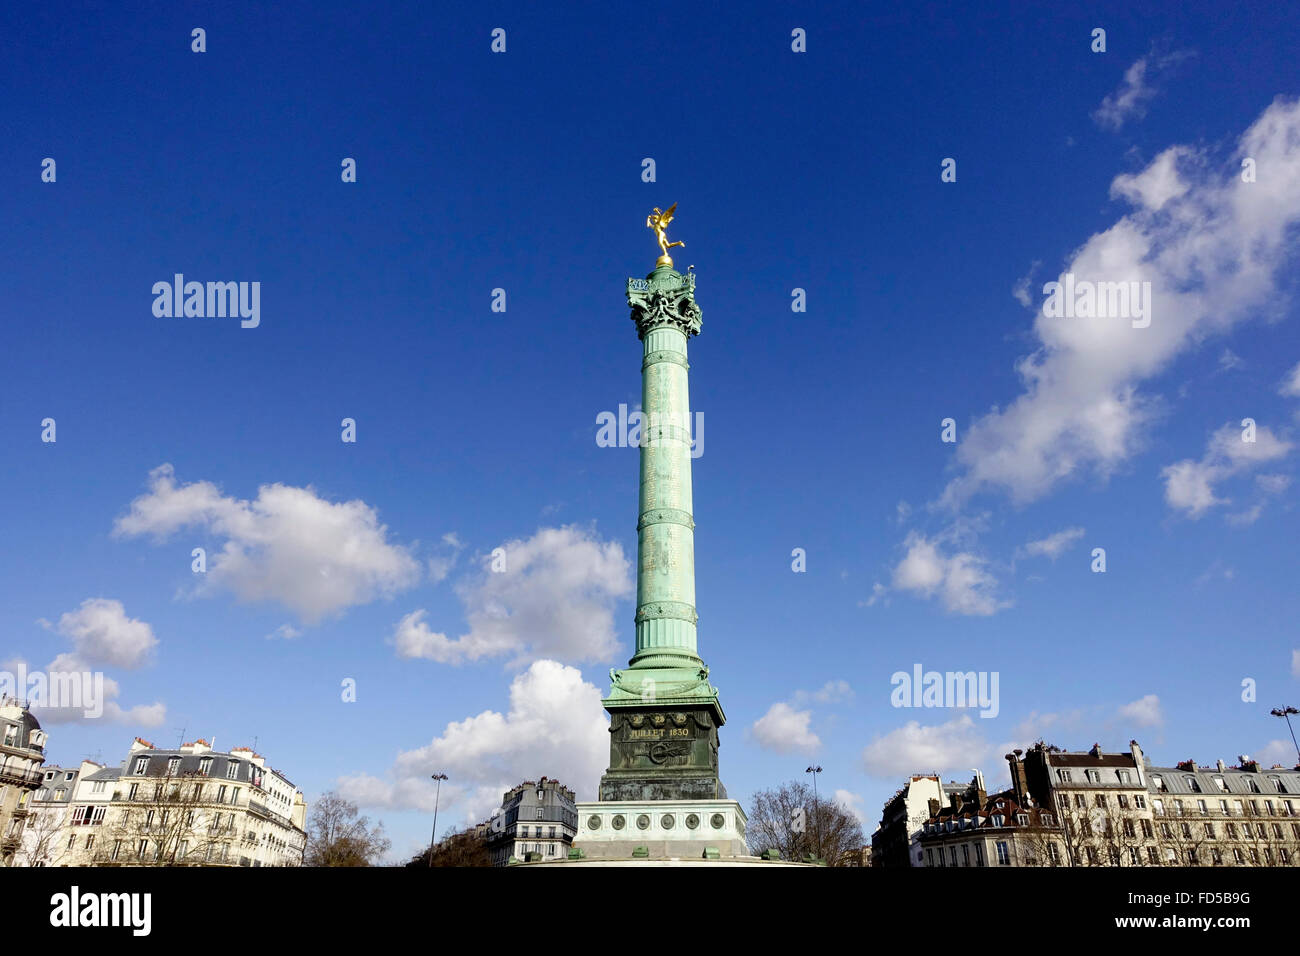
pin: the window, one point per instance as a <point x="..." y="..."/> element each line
<point x="1079" y="800"/>
<point x="69" y="775"/>
<point x="1268" y="805"/>
<point x="998" y="819"/>
<point x="979" y="854"/>
<point x="1277" y="830"/>
<point x="1223" y="807"/>
<point x="90" y="840"/>
<point x="965" y="855"/>
<point x="1100" y="800"/>
<point x="1128" y="829"/>
<point x="1278" y="785"/>
<point x="1134" y="857"/>
<point x="11" y="735"/>
<point x="1285" y="854"/>
<point x="929" y="857"/>
<point x="1238" y="809"/>
<point x="1153" y="857"/>
<point x="185" y="848"/>
<point x="1022" y="819"/>
<point x="232" y="770"/>
<point x="952" y="855"/>
<point x="1237" y="857"/>
<point x="97" y="786"/>
<point x="1063" y="776"/>
<point x="1092" y="856"/>
<point x="1054" y="854"/>
<point x="1192" y="785"/>
<point x="1187" y="831"/>
<point x="1122" y="799"/>
<point x="60" y="793"/>
<point x="141" y="849"/>
<point x="1047" y="819"/>
<point x="1254" y="856"/>
<point x="1254" y="787"/>
<point x="1232" y="831"/>
<point x="205" y="766"/>
<point x="141" y="764"/>
<point x="1209" y="831"/>
<point x="117" y="848"/>
<point x="1004" y="858"/>
<point x="1165" y="832"/>
<point x="221" y="793"/>
<point x="1093" y="776"/>
<point x="1146" y="829"/>
<point x="1221" y="784"/>
<point x="1159" y="806"/>
<point x="134" y="792"/>
<point x="552" y="833"/>
<point x="1124" y="776"/>
<point x="1159" y="781"/>
<point x="72" y="838"/>
<point x="539" y="813"/>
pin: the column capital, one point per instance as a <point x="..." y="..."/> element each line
<point x="664" y="297"/>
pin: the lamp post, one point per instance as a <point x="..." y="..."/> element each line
<point x="438" y="778"/>
<point x="1285" y="713"/>
<point x="816" y="816"/>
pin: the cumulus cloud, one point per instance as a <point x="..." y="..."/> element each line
<point x="961" y="580"/>
<point x="1054" y="545"/>
<point x="1137" y="90"/>
<point x="914" y="748"/>
<point x="1210" y="245"/>
<point x="1189" y="485"/>
<point x="103" y="634"/>
<point x="852" y="803"/>
<point x="1143" y="712"/>
<point x="1291" y="384"/>
<point x="784" y="730"/>
<point x="555" y="726"/>
<point x="552" y="596"/>
<point x="288" y="545"/>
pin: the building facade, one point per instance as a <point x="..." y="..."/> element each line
<point x="22" y="755"/>
<point x="535" y="818"/>
<point x="1117" y="809"/>
<point x="896" y="841"/>
<point x="192" y="806"/>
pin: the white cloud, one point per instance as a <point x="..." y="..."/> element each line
<point x="913" y="748"/>
<point x="784" y="730"/>
<point x="555" y="726"/>
<point x="1143" y="712"/>
<point x="1280" y="751"/>
<point x="90" y="683"/>
<point x="1130" y="101"/>
<point x="853" y="804"/>
<point x="1189" y="485"/>
<point x="1291" y="384"/>
<point x="960" y="580"/>
<point x="1211" y="254"/>
<point x="285" y="632"/>
<point x="103" y="634"/>
<point x="1054" y="545"/>
<point x="288" y="545"/>
<point x="1230" y="360"/>
<point x="833" y="691"/>
<point x="555" y="598"/>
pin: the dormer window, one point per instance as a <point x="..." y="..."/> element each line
<point x="1159" y="781"/>
<point x="1093" y="776"/>
<point x="1063" y="775"/>
<point x="1022" y="819"/>
<point x="1277" y="784"/>
<point x="173" y="765"/>
<point x="205" y="766"/>
<point x="1124" y="776"/>
<point x="141" y="765"/>
<point x="1254" y="787"/>
<point x="998" y="819"/>
<point x="1221" y="784"/>
<point x="232" y="770"/>
<point x="11" y="735"/>
<point x="1192" y="785"/>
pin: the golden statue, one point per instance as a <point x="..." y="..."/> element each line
<point x="658" y="221"/>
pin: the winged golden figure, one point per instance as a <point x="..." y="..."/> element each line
<point x="658" y="221"/>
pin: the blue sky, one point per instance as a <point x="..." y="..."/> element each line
<point x="476" y="429"/>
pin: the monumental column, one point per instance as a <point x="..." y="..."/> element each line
<point x="662" y="789"/>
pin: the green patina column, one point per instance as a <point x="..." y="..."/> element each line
<point x="664" y="712"/>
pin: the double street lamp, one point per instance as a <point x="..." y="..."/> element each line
<point x="438" y="778"/>
<point x="816" y="816"/>
<point x="1286" y="712"/>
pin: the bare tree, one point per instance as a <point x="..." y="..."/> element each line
<point x="44" y="840"/>
<point x="338" y="836"/>
<point x="173" y="820"/>
<point x="792" y="820"/>
<point x="461" y="848"/>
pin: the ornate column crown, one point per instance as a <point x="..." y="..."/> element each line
<point x="664" y="297"/>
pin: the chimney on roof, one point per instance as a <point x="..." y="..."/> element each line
<point x="1095" y="751"/>
<point x="1220" y="765"/>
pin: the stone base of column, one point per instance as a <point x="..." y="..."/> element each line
<point x="661" y="830"/>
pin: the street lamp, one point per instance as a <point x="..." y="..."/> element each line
<point x="438" y="778"/>
<point x="816" y="816"/>
<point x="1286" y="712"/>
